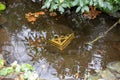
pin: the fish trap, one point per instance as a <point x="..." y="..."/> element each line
<point x="61" y="42"/>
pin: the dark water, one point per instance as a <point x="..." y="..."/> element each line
<point x="27" y="43"/>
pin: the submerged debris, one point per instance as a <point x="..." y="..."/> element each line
<point x="32" y="17"/>
<point x="61" y="41"/>
<point x="110" y="73"/>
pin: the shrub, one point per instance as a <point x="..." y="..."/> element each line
<point x="82" y="5"/>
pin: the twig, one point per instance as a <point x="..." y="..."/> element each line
<point x="99" y="37"/>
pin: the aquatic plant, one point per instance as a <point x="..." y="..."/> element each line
<point x="82" y="5"/>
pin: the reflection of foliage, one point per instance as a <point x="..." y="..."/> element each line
<point x="22" y="72"/>
<point x="35" y="44"/>
<point x="82" y="5"/>
<point x="35" y="39"/>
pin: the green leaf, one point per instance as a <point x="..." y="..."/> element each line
<point x="43" y="7"/>
<point x="107" y="4"/>
<point x="81" y="3"/>
<point x="53" y="6"/>
<point x="85" y="8"/>
<point x="101" y="3"/>
<point x="6" y="71"/>
<point x="2" y="7"/>
<point x="61" y="9"/>
<point x="26" y="67"/>
<point x="74" y="3"/>
<point x="61" y="5"/>
<point x="47" y="4"/>
<point x="18" y="68"/>
<point x="64" y="5"/>
<point x="78" y="9"/>
<point x="90" y="2"/>
<point x="56" y="1"/>
<point x="61" y="1"/>
<point x="85" y="2"/>
<point x="27" y="74"/>
<point x="30" y="76"/>
<point x="2" y="62"/>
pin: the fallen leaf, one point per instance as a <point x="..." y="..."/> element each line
<point x="92" y="13"/>
<point x="32" y="17"/>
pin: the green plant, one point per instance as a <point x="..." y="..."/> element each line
<point x="59" y="5"/>
<point x="82" y="5"/>
<point x="2" y="6"/>
<point x="2" y="62"/>
<point x="26" y="69"/>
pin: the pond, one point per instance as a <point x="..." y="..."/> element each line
<point x="24" y="42"/>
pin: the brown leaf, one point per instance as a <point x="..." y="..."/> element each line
<point x="92" y="13"/>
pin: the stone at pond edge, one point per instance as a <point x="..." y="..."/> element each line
<point x="114" y="66"/>
<point x="1" y="56"/>
<point x="108" y="75"/>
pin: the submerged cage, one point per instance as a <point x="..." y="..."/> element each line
<point x="62" y="41"/>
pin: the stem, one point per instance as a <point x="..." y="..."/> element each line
<point x="99" y="37"/>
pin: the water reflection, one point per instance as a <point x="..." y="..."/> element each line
<point x="29" y="46"/>
<point x="96" y="62"/>
<point x="4" y="38"/>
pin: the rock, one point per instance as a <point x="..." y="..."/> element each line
<point x="107" y="75"/>
<point x="116" y="14"/>
<point x="112" y="72"/>
<point x="1" y="56"/>
<point x="114" y="66"/>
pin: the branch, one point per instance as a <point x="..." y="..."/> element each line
<point x="99" y="37"/>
